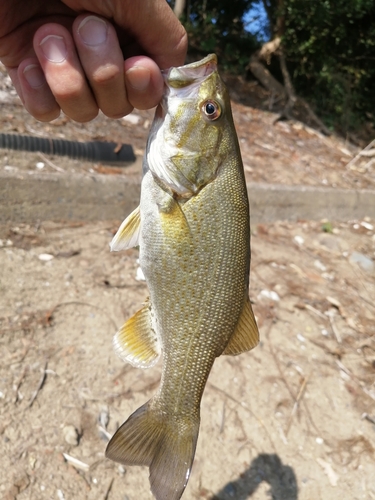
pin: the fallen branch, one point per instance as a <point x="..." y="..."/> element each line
<point x="369" y="153"/>
<point x="264" y="76"/>
<point x="361" y="153"/>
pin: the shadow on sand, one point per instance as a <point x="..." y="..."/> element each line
<point x="265" y="467"/>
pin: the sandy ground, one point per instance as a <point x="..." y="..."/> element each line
<point x="293" y="419"/>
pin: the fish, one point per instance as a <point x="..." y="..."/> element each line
<point x="193" y="231"/>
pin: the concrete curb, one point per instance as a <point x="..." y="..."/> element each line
<point x="30" y="197"/>
<point x="273" y="202"/>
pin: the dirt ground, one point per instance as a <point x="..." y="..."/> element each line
<point x="293" y="419"/>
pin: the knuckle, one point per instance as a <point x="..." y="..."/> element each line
<point x="117" y="113"/>
<point x="47" y="116"/>
<point x="105" y="76"/>
<point x="68" y="93"/>
<point x="144" y="103"/>
<point x="83" y="117"/>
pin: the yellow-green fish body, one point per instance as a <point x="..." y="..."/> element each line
<point x="193" y="230"/>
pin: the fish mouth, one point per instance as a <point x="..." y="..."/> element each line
<point x="192" y="74"/>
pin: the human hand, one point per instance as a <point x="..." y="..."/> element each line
<point x="61" y="57"/>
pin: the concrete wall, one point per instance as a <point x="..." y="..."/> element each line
<point x="30" y="197"/>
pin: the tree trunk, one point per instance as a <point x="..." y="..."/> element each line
<point x="275" y="47"/>
<point x="179" y="8"/>
<point x="264" y="76"/>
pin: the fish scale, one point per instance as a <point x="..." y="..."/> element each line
<point x="193" y="231"/>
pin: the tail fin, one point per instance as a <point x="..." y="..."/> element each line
<point x="165" y="444"/>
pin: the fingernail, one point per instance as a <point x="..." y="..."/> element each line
<point x="54" y="48"/>
<point x="93" y="30"/>
<point x="34" y="76"/>
<point x="138" y="77"/>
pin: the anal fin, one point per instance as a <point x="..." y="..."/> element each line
<point x="136" y="342"/>
<point x="127" y="235"/>
<point x="246" y="334"/>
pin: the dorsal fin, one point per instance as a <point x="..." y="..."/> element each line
<point x="246" y="334"/>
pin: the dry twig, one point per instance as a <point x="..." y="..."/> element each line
<point x="40" y="385"/>
<point x="291" y="392"/>
<point x="296" y="403"/>
<point x="18" y="383"/>
<point x="76" y="463"/>
<point x="79" y="303"/>
<point x="334" y="328"/>
<point x="108" y="489"/>
<point x="50" y="163"/>
<point x="245" y="407"/>
<point x="355" y="379"/>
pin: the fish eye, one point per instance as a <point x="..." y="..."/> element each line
<point x="211" y="110"/>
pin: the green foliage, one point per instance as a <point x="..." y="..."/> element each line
<point x="217" y="26"/>
<point x="327" y="227"/>
<point x="330" y="52"/>
<point x="329" y="47"/>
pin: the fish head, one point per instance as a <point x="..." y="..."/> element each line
<point x="189" y="138"/>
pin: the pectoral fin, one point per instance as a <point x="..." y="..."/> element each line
<point x="136" y="342"/>
<point x="173" y="220"/>
<point x="127" y="235"/>
<point x="246" y="334"/>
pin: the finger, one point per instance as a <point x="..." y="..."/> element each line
<point x="156" y="28"/>
<point x="144" y="82"/>
<point x="151" y="23"/>
<point x="35" y="92"/>
<point x="62" y="69"/>
<point x="102" y="62"/>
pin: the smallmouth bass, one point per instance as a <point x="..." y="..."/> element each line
<point x="193" y="230"/>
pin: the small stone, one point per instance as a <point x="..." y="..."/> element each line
<point x="319" y="265"/>
<point x="121" y="470"/>
<point x="269" y="294"/>
<point x="71" y="435"/>
<point x="363" y="261"/>
<point x="60" y="495"/>
<point x="45" y="257"/>
<point x="6" y="243"/>
<point x="132" y="118"/>
<point x="367" y="225"/>
<point x="299" y="240"/>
